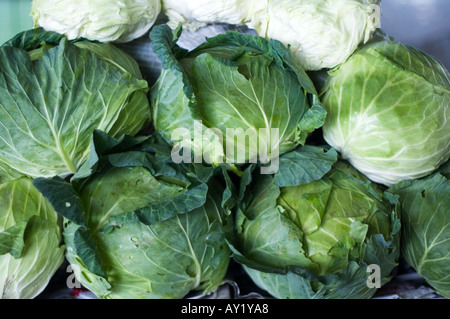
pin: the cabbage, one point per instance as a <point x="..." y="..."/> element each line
<point x="388" y="112"/>
<point x="54" y="93"/>
<point x="318" y="240"/>
<point x="426" y="228"/>
<point x="138" y="227"/>
<point x="320" y="33"/>
<point x="194" y="14"/>
<point x="245" y="95"/>
<point x="101" y="20"/>
<point x="31" y="248"/>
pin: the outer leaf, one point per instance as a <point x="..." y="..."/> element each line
<point x="349" y="283"/>
<point x="246" y="180"/>
<point x="64" y="199"/>
<point x="50" y="106"/>
<point x="165" y="47"/>
<point x="304" y="165"/>
<point x="12" y="240"/>
<point x="19" y="201"/>
<point x="311" y="121"/>
<point x="82" y="270"/>
<point x="426" y="228"/>
<point x="32" y="39"/>
<point x="31" y="248"/>
<point x="229" y="197"/>
<point x="251" y="103"/>
<point x="227" y="43"/>
<point x="193" y="198"/>
<point x="103" y="144"/>
<point x="113" y="55"/>
<point x="86" y="250"/>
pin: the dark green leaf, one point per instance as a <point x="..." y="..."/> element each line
<point x="183" y="203"/>
<point x="87" y="251"/>
<point x="32" y="39"/>
<point x="62" y="196"/>
<point x="304" y="165"/>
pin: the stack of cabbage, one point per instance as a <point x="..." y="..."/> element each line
<point x="316" y="183"/>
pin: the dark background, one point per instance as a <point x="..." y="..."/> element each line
<point x="424" y="24"/>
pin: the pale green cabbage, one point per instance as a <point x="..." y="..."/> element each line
<point x="317" y="240"/>
<point x="31" y="248"/>
<point x="194" y="14"/>
<point x="320" y="33"/>
<point x="388" y="112"/>
<point x="101" y="20"/>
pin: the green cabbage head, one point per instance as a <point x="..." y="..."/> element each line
<point x="99" y="20"/>
<point x="233" y="98"/>
<point x="388" y="112"/>
<point x="318" y="240"/>
<point x="31" y="248"/>
<point x="54" y="93"/>
<point x="143" y="231"/>
<point x="320" y="33"/>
